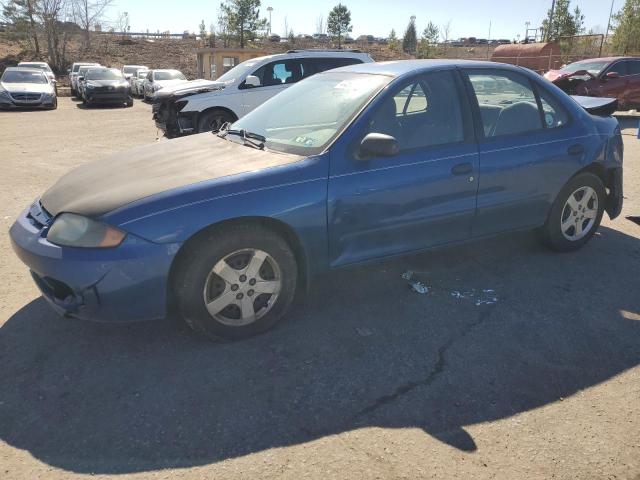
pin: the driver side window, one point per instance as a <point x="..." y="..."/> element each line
<point x="424" y="113"/>
<point x="278" y="73"/>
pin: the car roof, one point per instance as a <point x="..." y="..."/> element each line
<point x="312" y="53"/>
<point x="23" y="69"/>
<point x="398" y="68"/>
<point x="165" y="70"/>
<point x="33" y="63"/>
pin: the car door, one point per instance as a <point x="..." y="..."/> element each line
<point x="274" y="78"/>
<point x="613" y="87"/>
<point x="632" y="95"/>
<point x="528" y="149"/>
<point x="424" y="195"/>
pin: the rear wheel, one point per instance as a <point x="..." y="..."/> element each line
<point x="575" y="214"/>
<point x="130" y="101"/>
<point x="214" y="120"/>
<point x="236" y="282"/>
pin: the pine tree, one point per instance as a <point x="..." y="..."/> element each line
<point x="242" y="18"/>
<point x="410" y="39"/>
<point x="339" y="22"/>
<point x="429" y="40"/>
<point x="563" y="23"/>
<point x="392" y="41"/>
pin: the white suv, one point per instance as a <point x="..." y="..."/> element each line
<point x="205" y="105"/>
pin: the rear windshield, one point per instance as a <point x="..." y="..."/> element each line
<point x="131" y="69"/>
<point x="15" y="76"/>
<point x="106" y="74"/>
<point x="78" y="67"/>
<point x="174" y="75"/>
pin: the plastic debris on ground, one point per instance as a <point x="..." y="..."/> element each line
<point x="416" y="286"/>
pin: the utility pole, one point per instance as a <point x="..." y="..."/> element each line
<point x="269" y="9"/>
<point x="526" y="31"/>
<point x="489" y="40"/>
<point x="606" y="33"/>
<point x="549" y="27"/>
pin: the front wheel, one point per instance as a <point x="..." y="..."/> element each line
<point x="129" y="102"/>
<point x="575" y="214"/>
<point x="214" y="120"/>
<point x="235" y="282"/>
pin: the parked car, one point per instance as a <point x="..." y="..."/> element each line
<point x="348" y="166"/>
<point x="201" y="106"/>
<point x="129" y="70"/>
<point x="157" y="79"/>
<point x="136" y="81"/>
<point x="44" y="66"/>
<point x="73" y="76"/>
<point x="613" y="77"/>
<point x="106" y="85"/>
<point x="27" y="87"/>
<point x="80" y="79"/>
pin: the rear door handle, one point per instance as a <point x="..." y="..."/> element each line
<point x="575" y="150"/>
<point x="462" y="169"/>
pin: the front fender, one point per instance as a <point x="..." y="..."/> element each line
<point x="294" y="195"/>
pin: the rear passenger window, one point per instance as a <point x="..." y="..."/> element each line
<point x="553" y="114"/>
<point x="311" y="66"/>
<point x="507" y="103"/>
<point x="634" y="67"/>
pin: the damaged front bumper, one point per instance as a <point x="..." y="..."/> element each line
<point x="167" y="117"/>
<point x="121" y="284"/>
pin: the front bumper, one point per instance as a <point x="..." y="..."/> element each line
<point x="122" y="284"/>
<point x="106" y="97"/>
<point x="8" y="104"/>
<point x="173" y="123"/>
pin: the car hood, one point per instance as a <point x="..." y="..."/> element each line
<point x="107" y="83"/>
<point x="189" y="88"/>
<point x="556" y="75"/>
<point x="169" y="83"/>
<point x="103" y="186"/>
<point x="27" y="87"/>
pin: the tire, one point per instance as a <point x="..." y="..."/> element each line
<point x="562" y="234"/>
<point x="195" y="282"/>
<point x="55" y="104"/>
<point x="130" y="102"/>
<point x="212" y="121"/>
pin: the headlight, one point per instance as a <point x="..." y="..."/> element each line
<point x="73" y="230"/>
<point x="156" y="88"/>
<point x="90" y="86"/>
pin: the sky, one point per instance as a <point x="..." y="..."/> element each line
<point x="469" y="18"/>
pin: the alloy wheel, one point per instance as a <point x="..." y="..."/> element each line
<point x="242" y="287"/>
<point x="579" y="214"/>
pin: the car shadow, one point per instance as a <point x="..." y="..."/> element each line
<point x="362" y="349"/>
<point x="100" y="106"/>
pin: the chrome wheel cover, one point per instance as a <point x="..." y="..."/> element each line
<point x="579" y="214"/>
<point x="242" y="287"/>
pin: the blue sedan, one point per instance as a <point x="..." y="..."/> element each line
<point x="351" y="165"/>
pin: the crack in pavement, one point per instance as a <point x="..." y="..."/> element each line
<point x="435" y="372"/>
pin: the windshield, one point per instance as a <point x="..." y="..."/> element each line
<point x="142" y="73"/>
<point x="238" y="71"/>
<point x="16" y="76"/>
<point x="172" y="75"/>
<point x="106" y="74"/>
<point x="307" y="116"/>
<point x="44" y="68"/>
<point x="78" y="67"/>
<point x="594" y="68"/>
<point x="131" y="69"/>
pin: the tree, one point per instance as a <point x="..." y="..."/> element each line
<point x="242" y="18"/>
<point x="445" y="32"/>
<point x="561" y="22"/>
<point x="320" y="26"/>
<point x="22" y="14"/>
<point x="429" y="40"/>
<point x="410" y="39"/>
<point x="203" y="30"/>
<point x="339" y="22"/>
<point x="626" y="37"/>
<point x="392" y="41"/>
<point x="87" y="13"/>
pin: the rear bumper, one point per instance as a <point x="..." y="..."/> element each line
<point x="122" y="284"/>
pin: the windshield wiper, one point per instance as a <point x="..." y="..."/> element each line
<point x="251" y="139"/>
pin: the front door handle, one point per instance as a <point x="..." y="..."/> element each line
<point x="462" y="169"/>
<point x="575" y="150"/>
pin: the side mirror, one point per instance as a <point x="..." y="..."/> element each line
<point x="378" y="145"/>
<point x="612" y="75"/>
<point x="252" y="81"/>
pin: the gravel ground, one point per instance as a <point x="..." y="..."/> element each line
<point x="367" y="379"/>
